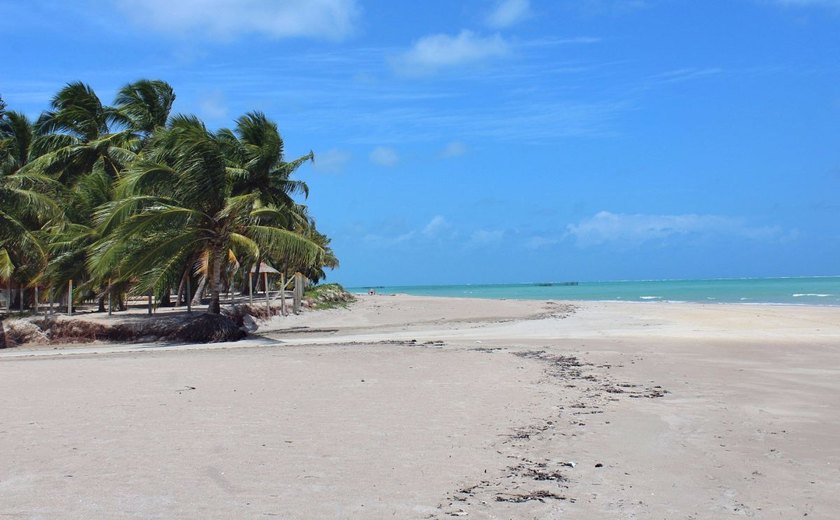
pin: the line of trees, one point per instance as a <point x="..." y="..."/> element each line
<point x="128" y="199"/>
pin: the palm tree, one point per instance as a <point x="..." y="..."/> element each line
<point x="28" y="201"/>
<point x="81" y="133"/>
<point x="70" y="240"/>
<point x="176" y="203"/>
<point x="146" y="105"/>
<point x="255" y="154"/>
<point x="17" y="139"/>
<point x="255" y="148"/>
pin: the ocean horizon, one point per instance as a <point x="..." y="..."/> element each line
<point x="804" y="290"/>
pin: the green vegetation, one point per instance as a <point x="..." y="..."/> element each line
<point x="129" y="200"/>
<point x="327" y="296"/>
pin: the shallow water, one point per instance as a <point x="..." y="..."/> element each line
<point x="801" y="291"/>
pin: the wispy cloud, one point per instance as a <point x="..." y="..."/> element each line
<point x="830" y="4"/>
<point x="212" y="106"/>
<point x="453" y="149"/>
<point x="538" y="242"/>
<point x="325" y="19"/>
<point x="436" y="226"/>
<point x="384" y="156"/>
<point x="440" y="51"/>
<point x="685" y="74"/>
<point x="635" y="229"/>
<point x="607" y="7"/>
<point x="508" y="12"/>
<point x="331" y="161"/>
<point x="486" y="237"/>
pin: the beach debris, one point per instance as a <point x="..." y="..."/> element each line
<point x="249" y="324"/>
<point x="196" y="328"/>
<point x="526" y="497"/>
<point x="185" y="389"/>
<point x="487" y="350"/>
<point x="585" y="389"/>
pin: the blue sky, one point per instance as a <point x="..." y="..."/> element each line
<point x="501" y="141"/>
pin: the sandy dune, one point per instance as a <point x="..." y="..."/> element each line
<point x="409" y="407"/>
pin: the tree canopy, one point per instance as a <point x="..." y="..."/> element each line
<point x="129" y="199"/>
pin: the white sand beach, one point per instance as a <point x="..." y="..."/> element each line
<point x="417" y="407"/>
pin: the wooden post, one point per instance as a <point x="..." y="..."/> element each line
<point x="36" y="299"/>
<point x="70" y="298"/>
<point x="22" y="295"/>
<point x="267" y="302"/>
<point x="189" y="294"/>
<point x="251" y="288"/>
<point x="110" y="300"/>
<point x="283" y="293"/>
<point x="297" y="294"/>
<point x="150" y="303"/>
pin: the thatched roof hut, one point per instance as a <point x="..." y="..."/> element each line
<point x="265" y="268"/>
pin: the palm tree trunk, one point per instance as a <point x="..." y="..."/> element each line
<point x="215" y="282"/>
<point x="181" y="300"/>
<point x="2" y="335"/>
<point x="199" y="290"/>
<point x="166" y="298"/>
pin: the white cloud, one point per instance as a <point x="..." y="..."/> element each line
<point x="328" y="19"/>
<point x="438" y="51"/>
<point x="331" y="161"/>
<point x="635" y="229"/>
<point x="435" y="226"/>
<point x="453" y="149"/>
<point x="384" y="156"/>
<point x="508" y="12"/>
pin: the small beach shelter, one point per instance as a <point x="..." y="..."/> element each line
<point x="266" y="270"/>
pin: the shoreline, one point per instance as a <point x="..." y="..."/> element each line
<point x="304" y="328"/>
<point x="420" y="407"/>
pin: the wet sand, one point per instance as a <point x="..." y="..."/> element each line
<point x="411" y="407"/>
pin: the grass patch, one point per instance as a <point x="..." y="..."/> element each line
<point x="327" y="296"/>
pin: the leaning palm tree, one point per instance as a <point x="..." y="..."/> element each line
<point x="28" y="202"/>
<point x="254" y="151"/>
<point x="255" y="148"/>
<point x="81" y="133"/>
<point x="176" y="203"/>
<point x="146" y="105"/>
<point x="17" y="142"/>
<point x="70" y="239"/>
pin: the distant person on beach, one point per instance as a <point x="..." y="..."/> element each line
<point x="372" y="292"/>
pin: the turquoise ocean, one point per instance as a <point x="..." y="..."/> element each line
<point x="795" y="291"/>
